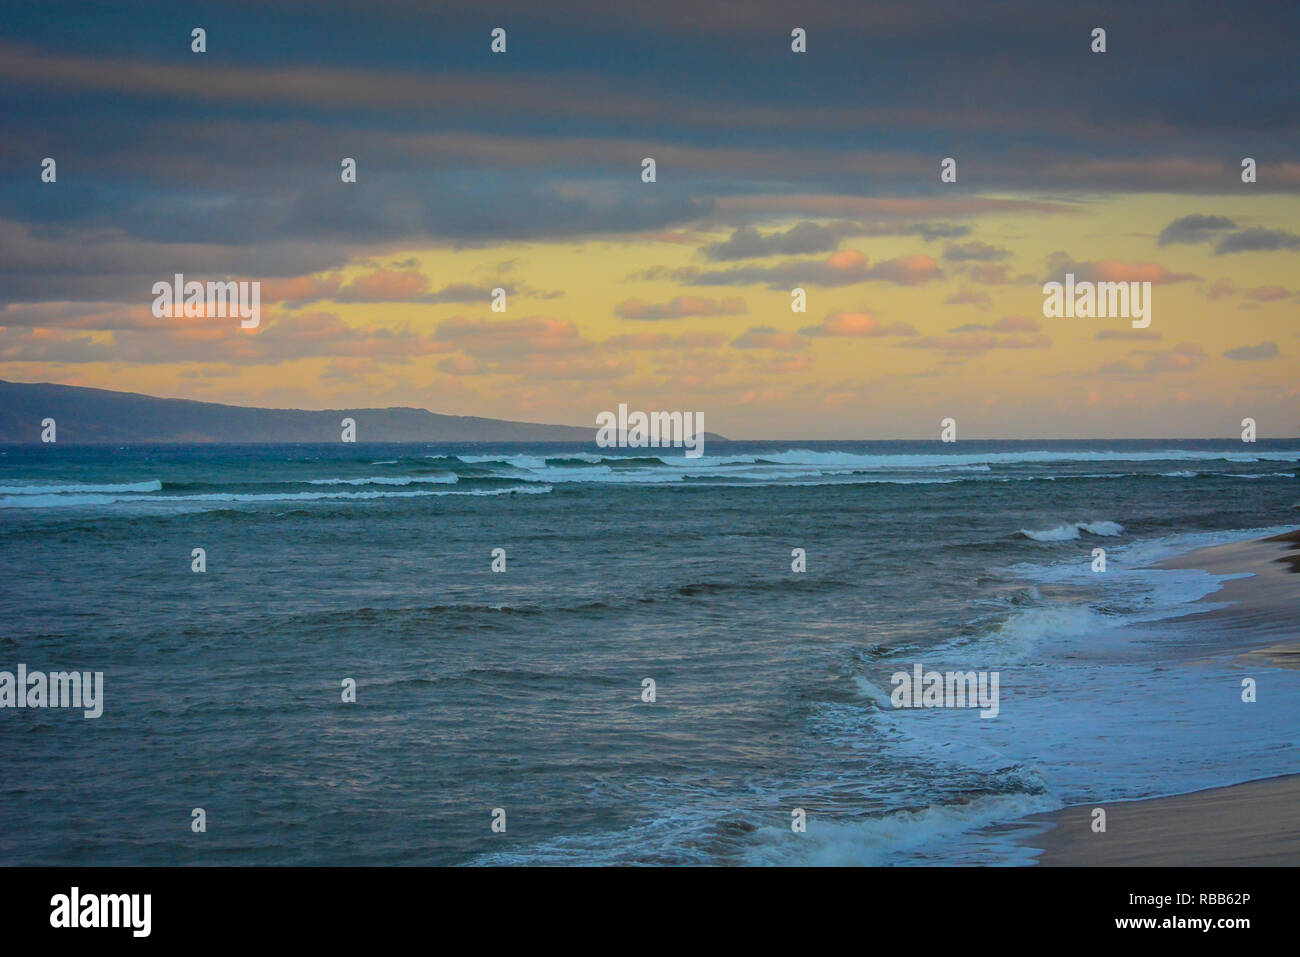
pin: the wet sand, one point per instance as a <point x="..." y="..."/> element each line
<point x="1254" y="824"/>
<point x="1251" y="824"/>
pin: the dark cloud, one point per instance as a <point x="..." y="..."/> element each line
<point x="1195" y="228"/>
<point x="801" y="239"/>
<point x="227" y="164"/>
<point x="1265" y="350"/>
<point x="845" y="268"/>
<point x="975" y="251"/>
<point x="1256" y="240"/>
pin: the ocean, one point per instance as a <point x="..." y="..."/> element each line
<point x="522" y="690"/>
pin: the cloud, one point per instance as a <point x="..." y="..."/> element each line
<point x="1265" y="350"/>
<point x="856" y="325"/>
<point x="975" y="251"/>
<point x="975" y="340"/>
<point x="1129" y="334"/>
<point x="570" y="368"/>
<point x="1220" y="289"/>
<point x="989" y="274"/>
<point x="1257" y="239"/>
<point x="286" y="337"/>
<point x="970" y="297"/>
<point x="300" y="289"/>
<point x="801" y="239"/>
<point x="1006" y="324"/>
<point x="483" y="337"/>
<point x="1196" y="228"/>
<point x="845" y="268"/>
<point x="658" y="340"/>
<point x="384" y="285"/>
<point x="1184" y="357"/>
<point x="766" y="337"/>
<point x="1268" y="293"/>
<point x="1112" y="270"/>
<point x="680" y="307"/>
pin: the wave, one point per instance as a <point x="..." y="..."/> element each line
<point x="905" y="836"/>
<point x="153" y="485"/>
<point x="930" y="460"/>
<point x="1065" y="533"/>
<point x="247" y="498"/>
<point x="807" y="466"/>
<point x="443" y="479"/>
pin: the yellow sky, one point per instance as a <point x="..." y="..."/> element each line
<point x="556" y="354"/>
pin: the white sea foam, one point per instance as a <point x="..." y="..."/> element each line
<point x="241" y="498"/>
<point x="900" y="837"/>
<point x="153" y="485"/>
<point x="441" y="479"/>
<point x="1066" y="533"/>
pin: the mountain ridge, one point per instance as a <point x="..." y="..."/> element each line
<point x="91" y="416"/>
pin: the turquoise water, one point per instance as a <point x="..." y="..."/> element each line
<point x="521" y="690"/>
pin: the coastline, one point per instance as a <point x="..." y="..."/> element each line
<point x="1254" y="823"/>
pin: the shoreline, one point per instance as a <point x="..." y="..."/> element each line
<point x="1251" y="823"/>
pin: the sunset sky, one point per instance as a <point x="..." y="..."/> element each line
<point x="774" y="170"/>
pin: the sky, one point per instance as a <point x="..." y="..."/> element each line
<point x="774" y="169"/>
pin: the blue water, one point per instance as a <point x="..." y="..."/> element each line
<point x="521" y="690"/>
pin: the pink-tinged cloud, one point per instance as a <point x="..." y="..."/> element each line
<point x="765" y="337"/>
<point x="680" y="307"/>
<point x="1112" y="270"/>
<point x="1220" y="289"/>
<point x="485" y="337"/>
<point x="279" y="338"/>
<point x="990" y="274"/>
<point x="703" y="340"/>
<point x="1183" y="357"/>
<point x="642" y="340"/>
<point x="300" y="288"/>
<point x="908" y="270"/>
<point x="1268" y="293"/>
<point x="385" y="285"/>
<point x="846" y="259"/>
<point x="853" y="325"/>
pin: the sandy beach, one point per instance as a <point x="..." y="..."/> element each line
<point x="1252" y="824"/>
<point x="1256" y="823"/>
